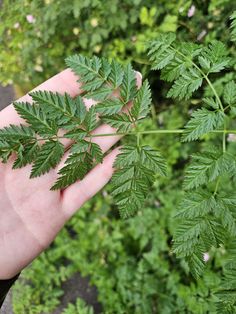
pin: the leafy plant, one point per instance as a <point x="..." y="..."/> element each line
<point x="201" y="80"/>
<point x="50" y="113"/>
<point x="206" y="215"/>
<point x="79" y="308"/>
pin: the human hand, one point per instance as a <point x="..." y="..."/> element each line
<point x="31" y="214"/>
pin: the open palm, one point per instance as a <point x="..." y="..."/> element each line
<point x="30" y="214"/>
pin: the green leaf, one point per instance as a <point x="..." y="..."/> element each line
<point x="36" y="118"/>
<point x="195" y="236"/>
<point x="196" y="204"/>
<point x="110" y="106"/>
<point x="105" y="69"/>
<point x="62" y="108"/>
<point x="81" y="146"/>
<point x="202" y="122"/>
<point x="142" y="102"/>
<point x="214" y="57"/>
<point x="229" y="95"/>
<point x="90" y="121"/>
<point x="134" y="176"/>
<point x="83" y="156"/>
<point x="77" y="165"/>
<point x="27" y="155"/>
<point x="153" y="160"/>
<point x="128" y="155"/>
<point x="96" y="152"/>
<point x="100" y="94"/>
<point x="186" y="84"/>
<point x="131" y="194"/>
<point x="161" y="51"/>
<point x="8" y="147"/>
<point x="88" y="70"/>
<point x="225" y="211"/>
<point x="128" y="88"/>
<point x="47" y="158"/>
<point x="15" y="132"/>
<point x="76" y="134"/>
<point x="233" y="26"/>
<point x="211" y="102"/>
<point x="182" y="62"/>
<point x="120" y="121"/>
<point x="116" y="74"/>
<point x="207" y="166"/>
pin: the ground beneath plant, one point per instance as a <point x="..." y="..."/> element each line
<point x="75" y="287"/>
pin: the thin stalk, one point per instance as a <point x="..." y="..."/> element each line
<point x="162" y="131"/>
<point x="217" y="186"/>
<point x="138" y="139"/>
<point x="224" y="141"/>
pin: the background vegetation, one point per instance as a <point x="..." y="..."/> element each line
<point x="130" y="262"/>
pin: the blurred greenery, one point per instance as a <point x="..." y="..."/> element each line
<point x="131" y="261"/>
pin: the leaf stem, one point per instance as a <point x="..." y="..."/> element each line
<point x="217" y="185"/>
<point x="162" y="131"/>
<point x="224" y="141"/>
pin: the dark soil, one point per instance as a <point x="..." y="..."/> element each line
<point x="75" y="287"/>
<point x="6" y="96"/>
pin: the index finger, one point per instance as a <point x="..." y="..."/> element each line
<point x="65" y="81"/>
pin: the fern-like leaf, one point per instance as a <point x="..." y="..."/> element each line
<point x="36" y="118"/>
<point x="206" y="167"/>
<point x="233" y="26"/>
<point x="141" y="105"/>
<point x="135" y="173"/>
<point x="122" y="121"/>
<point x="62" y="108"/>
<point x="186" y="84"/>
<point x="47" y="158"/>
<point x="202" y="122"/>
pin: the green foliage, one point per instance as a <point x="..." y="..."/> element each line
<point x="226" y="291"/>
<point x="202" y="122"/>
<point x="206" y="217"/>
<point x="79" y="308"/>
<point x="136" y="169"/>
<point x="48" y="157"/>
<point x="208" y="222"/>
<point x="185" y="64"/>
<point x="207" y="166"/>
<point x="91" y="27"/>
<point x="52" y="112"/>
<point x="233" y="26"/>
<point x="131" y="262"/>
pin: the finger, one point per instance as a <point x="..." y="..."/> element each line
<point x="62" y="82"/>
<point x="81" y="191"/>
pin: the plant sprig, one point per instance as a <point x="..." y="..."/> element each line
<point x="39" y="142"/>
<point x="206" y="216"/>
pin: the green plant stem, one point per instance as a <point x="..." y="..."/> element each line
<point x="224" y="141"/>
<point x="163" y="131"/>
<point x="217" y="185"/>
